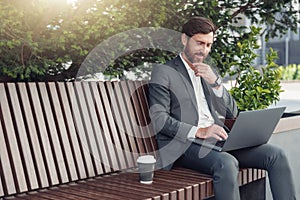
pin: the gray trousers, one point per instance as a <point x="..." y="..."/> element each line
<point x="224" y="167"/>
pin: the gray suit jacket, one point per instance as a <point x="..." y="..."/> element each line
<point x="173" y="108"/>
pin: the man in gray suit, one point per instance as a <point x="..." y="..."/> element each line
<point x="187" y="99"/>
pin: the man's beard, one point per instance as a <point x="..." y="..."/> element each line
<point x="192" y="57"/>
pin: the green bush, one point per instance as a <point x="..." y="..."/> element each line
<point x="290" y="72"/>
<point x="258" y="89"/>
<point x="255" y="88"/>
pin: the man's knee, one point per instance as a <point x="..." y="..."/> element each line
<point x="280" y="153"/>
<point x="276" y="156"/>
<point x="226" y="168"/>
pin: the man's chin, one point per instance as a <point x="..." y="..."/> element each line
<point x="199" y="59"/>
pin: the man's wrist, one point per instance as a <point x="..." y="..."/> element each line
<point x="217" y="83"/>
<point x="201" y="132"/>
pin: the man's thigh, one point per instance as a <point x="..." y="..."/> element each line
<point x="203" y="159"/>
<point x="256" y="157"/>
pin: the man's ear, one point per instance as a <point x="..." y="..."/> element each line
<point x="184" y="39"/>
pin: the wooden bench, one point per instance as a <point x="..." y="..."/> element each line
<point x="81" y="140"/>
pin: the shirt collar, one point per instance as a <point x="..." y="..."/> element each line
<point x="188" y="68"/>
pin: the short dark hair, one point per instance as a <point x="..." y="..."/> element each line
<point x="198" y="25"/>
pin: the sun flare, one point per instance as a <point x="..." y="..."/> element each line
<point x="71" y="1"/>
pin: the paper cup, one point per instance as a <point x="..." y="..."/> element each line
<point x="146" y="165"/>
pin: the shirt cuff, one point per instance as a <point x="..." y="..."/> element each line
<point x="218" y="91"/>
<point x="193" y="131"/>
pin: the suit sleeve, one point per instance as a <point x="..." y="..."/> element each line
<point x="160" y="99"/>
<point x="226" y="105"/>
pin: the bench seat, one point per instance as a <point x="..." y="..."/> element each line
<point x="178" y="183"/>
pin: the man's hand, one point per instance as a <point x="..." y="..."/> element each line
<point x="214" y="131"/>
<point x="205" y="71"/>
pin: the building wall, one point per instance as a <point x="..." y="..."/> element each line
<point x="293" y="51"/>
<point x="289" y="141"/>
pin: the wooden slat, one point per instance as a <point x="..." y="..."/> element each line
<point x="92" y="98"/>
<point x="188" y="192"/>
<point x="260" y="173"/>
<point x="126" y="187"/>
<point x="92" y="192"/>
<point x="98" y="191"/>
<point x="33" y="137"/>
<point x="119" y="132"/>
<point x="132" y="101"/>
<point x="118" y="162"/>
<point x="1" y="186"/>
<point x="203" y="191"/>
<point x="89" y="129"/>
<point x="205" y="185"/>
<point x="186" y="176"/>
<point x="245" y="176"/>
<point x="180" y="194"/>
<point x="31" y="196"/>
<point x="176" y="188"/>
<point x="59" y="194"/>
<point x="52" y="132"/>
<point x="62" y="135"/>
<point x="13" y="146"/>
<point x="72" y="133"/>
<point x="250" y="174"/>
<point x="138" y="121"/>
<point x="254" y="174"/>
<point x="6" y="175"/>
<point x="25" y="151"/>
<point x="72" y="194"/>
<point x="142" y="88"/>
<point x="127" y="135"/>
<point x="142" y="92"/>
<point x="108" y="154"/>
<point x="80" y="129"/>
<point x="196" y="191"/>
<point x="80" y="191"/>
<point x="42" y="133"/>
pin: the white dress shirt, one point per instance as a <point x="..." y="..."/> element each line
<point x="205" y="117"/>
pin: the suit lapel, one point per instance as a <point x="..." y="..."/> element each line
<point x="179" y="66"/>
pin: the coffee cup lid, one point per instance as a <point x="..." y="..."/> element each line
<point x="146" y="159"/>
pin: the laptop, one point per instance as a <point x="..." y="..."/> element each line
<point x="251" y="128"/>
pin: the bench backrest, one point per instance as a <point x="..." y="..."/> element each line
<point x="56" y="132"/>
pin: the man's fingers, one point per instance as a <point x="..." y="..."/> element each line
<point x="219" y="133"/>
<point x="223" y="135"/>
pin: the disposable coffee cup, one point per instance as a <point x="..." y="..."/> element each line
<point x="146" y="166"/>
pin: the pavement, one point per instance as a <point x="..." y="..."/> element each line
<point x="289" y="140"/>
<point x="290" y="97"/>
